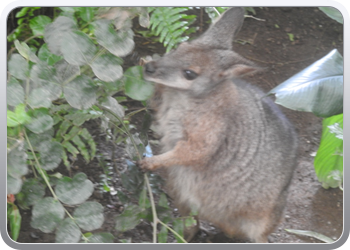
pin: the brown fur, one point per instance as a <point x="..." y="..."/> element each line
<point x="228" y="150"/>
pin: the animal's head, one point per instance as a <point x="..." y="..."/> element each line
<point x="201" y="64"/>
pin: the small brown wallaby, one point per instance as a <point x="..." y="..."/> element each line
<point x="228" y="150"/>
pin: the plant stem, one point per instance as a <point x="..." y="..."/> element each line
<point x="39" y="167"/>
<point x="155" y="217"/>
<point x="172" y="230"/>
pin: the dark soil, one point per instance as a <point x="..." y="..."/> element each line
<point x="266" y="42"/>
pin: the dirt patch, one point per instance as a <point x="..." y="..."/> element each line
<point x="284" y="42"/>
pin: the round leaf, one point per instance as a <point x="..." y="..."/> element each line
<point x="39" y="97"/>
<point x="40" y="123"/>
<point x="55" y="31"/>
<point x="101" y="238"/>
<point x="66" y="71"/>
<point x="107" y="67"/>
<point x="74" y="191"/>
<point x="89" y="215"/>
<point x="47" y="214"/>
<point x="114" y="106"/>
<point x="15" y="92"/>
<point x="26" y="52"/>
<point x="129" y="219"/>
<point x="119" y="43"/>
<point x="77" y="48"/>
<point x="68" y="232"/>
<point x="50" y="155"/>
<point x="38" y="23"/>
<point x="44" y="54"/>
<point x="17" y="162"/>
<point x="18" y="66"/>
<point x="81" y="92"/>
<point x="43" y="76"/>
<point x="32" y="191"/>
<point x="135" y="86"/>
<point x="14" y="184"/>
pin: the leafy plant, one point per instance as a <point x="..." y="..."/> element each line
<point x="319" y="89"/>
<point x="51" y="94"/>
<point x="25" y="17"/>
<point x="332" y="13"/>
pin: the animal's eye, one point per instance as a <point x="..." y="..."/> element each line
<point x="189" y="74"/>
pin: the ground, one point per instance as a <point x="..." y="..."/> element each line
<point x="266" y="42"/>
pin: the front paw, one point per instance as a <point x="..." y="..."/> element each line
<point x="147" y="164"/>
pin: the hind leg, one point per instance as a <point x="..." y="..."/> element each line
<point x="257" y="230"/>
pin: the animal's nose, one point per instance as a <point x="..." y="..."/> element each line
<point x="150" y="68"/>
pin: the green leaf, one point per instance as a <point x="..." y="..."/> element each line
<point x="163" y="235"/>
<point x="70" y="9"/>
<point x="90" y="140"/>
<point x="317" y="89"/>
<point x="18" y="67"/>
<point x="333" y="13"/>
<point x="14" y="184"/>
<point x="50" y="155"/>
<point x="39" y="97"/>
<point x="47" y="214"/>
<point x="14" y="92"/>
<point x="38" y="24"/>
<point x="40" y="122"/>
<point x="107" y="67"/>
<point x="79" y="118"/>
<point x="178" y="226"/>
<point x="135" y="86"/>
<point x="144" y="202"/>
<point x="44" y="54"/>
<point x="89" y="215"/>
<point x="81" y="92"/>
<point x="66" y="72"/>
<point x="67" y="232"/>
<point x="17" y="162"/>
<point x="54" y="32"/>
<point x="114" y="106"/>
<point x="74" y="191"/>
<point x="43" y="76"/>
<point x="163" y="201"/>
<point x="32" y="191"/>
<point x="18" y="117"/>
<point x="329" y="156"/>
<point x="119" y="43"/>
<point x="77" y="48"/>
<point x="87" y="13"/>
<point x="26" y="52"/>
<point x="15" y="218"/>
<point x="129" y="219"/>
<point x="144" y="18"/>
<point x="311" y="234"/>
<point x="134" y="153"/>
<point x="101" y="238"/>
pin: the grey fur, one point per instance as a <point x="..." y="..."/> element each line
<point x="228" y="150"/>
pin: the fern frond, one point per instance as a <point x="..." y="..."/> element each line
<point x="171" y="24"/>
<point x="75" y="139"/>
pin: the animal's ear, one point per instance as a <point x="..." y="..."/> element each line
<point x="220" y="35"/>
<point x="238" y="70"/>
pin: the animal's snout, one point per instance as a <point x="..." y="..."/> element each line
<point x="150" y="68"/>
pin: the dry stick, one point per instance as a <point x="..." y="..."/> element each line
<point x="154" y="212"/>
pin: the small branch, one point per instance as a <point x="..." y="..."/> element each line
<point x="259" y="19"/>
<point x="154" y="213"/>
<point x="172" y="230"/>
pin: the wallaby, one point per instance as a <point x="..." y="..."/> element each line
<point x="228" y="150"/>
